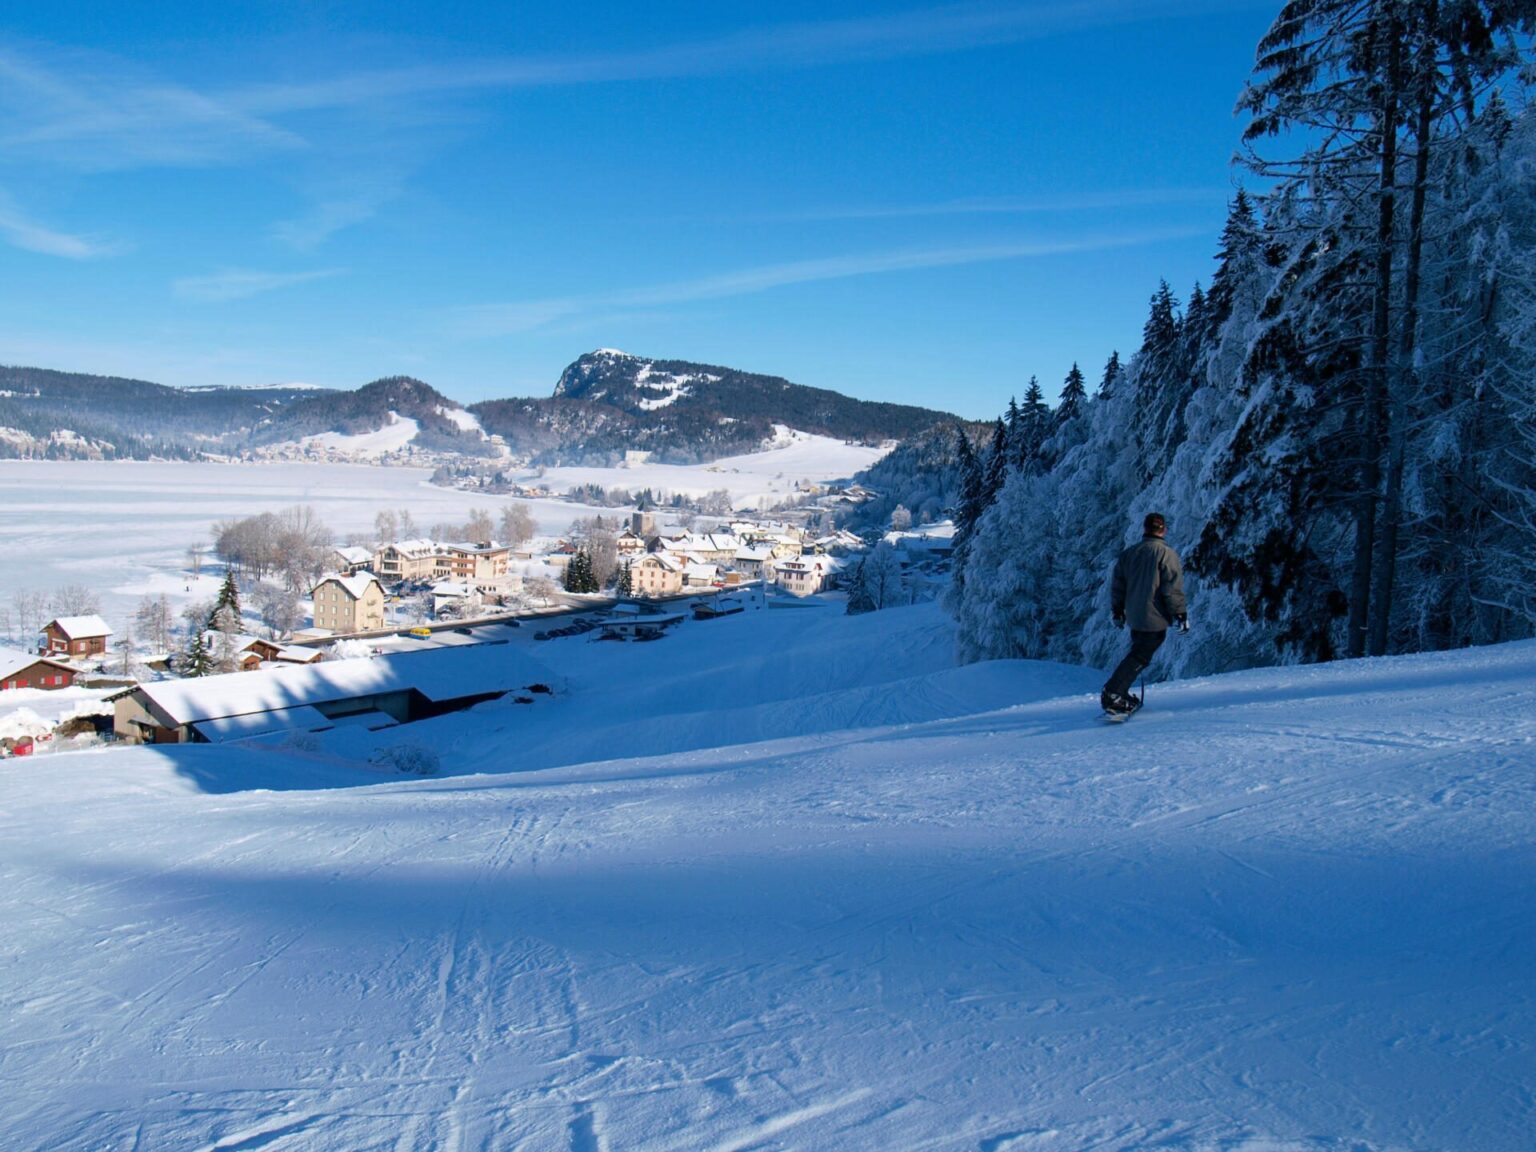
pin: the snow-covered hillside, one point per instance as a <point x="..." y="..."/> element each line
<point x="395" y="435"/>
<point x="768" y="476"/>
<point x="792" y="880"/>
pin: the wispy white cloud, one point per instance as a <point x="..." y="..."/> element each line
<point x="1102" y="201"/>
<point x="489" y="320"/>
<point x="21" y="231"/>
<point x="323" y="221"/>
<point x="97" y="111"/>
<point x="239" y="283"/>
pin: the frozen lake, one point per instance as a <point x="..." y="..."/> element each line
<point x="122" y="528"/>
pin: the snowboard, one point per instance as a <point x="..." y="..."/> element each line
<point x="1122" y="717"/>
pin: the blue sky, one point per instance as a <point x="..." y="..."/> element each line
<point x="924" y="205"/>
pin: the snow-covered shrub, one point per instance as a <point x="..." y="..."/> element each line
<point x="411" y="759"/>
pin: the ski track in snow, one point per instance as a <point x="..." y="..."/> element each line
<point x="1279" y="911"/>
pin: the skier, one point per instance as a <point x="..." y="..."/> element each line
<point x="1146" y="591"/>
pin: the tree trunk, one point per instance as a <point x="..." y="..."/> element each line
<point x="1374" y="416"/>
<point x="1407" y="375"/>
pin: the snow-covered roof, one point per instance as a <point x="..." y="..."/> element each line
<point x="758" y="554"/>
<point x="81" y="627"/>
<point x="243" y="642"/>
<point x="356" y="585"/>
<point x="438" y="674"/>
<point x="261" y="724"/>
<point x="297" y="654"/>
<point x="671" y="561"/>
<point x="415" y="547"/>
<point x="705" y="542"/>
<point x="12" y="661"/>
<point x="354" y="554"/>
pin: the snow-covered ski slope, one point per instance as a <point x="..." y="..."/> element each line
<point x="789" y="880"/>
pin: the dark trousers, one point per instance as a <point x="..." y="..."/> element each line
<point x="1144" y="646"/>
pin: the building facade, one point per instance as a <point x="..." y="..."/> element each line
<point x="349" y="603"/>
<point x="74" y="637"/>
<point x="656" y="574"/>
<point x="25" y="670"/>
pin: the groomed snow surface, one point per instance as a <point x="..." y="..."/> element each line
<point x="789" y="880"/>
<point x="395" y="435"/>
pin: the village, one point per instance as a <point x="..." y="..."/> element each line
<point x="411" y="627"/>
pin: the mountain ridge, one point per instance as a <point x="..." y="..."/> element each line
<point x="605" y="404"/>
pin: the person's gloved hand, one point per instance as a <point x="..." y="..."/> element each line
<point x="1119" y="619"/>
<point x="1182" y="621"/>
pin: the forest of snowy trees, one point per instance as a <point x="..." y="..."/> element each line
<point x="1341" y="426"/>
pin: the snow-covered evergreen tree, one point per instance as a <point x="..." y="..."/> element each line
<point x="229" y="597"/>
<point x="1341" y="428"/>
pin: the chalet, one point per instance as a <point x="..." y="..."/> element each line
<point x="350" y="559"/>
<point x="252" y="652"/>
<point x="349" y="603"/>
<point x="630" y="543"/>
<point x="656" y="574"/>
<point x="28" y="670"/>
<point x="75" y="636"/>
<point x="372" y="693"/>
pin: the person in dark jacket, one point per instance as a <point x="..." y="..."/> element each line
<point x="1146" y="592"/>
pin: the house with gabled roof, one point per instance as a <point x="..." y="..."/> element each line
<point x="350" y="558"/>
<point x="253" y="652"/>
<point x="750" y="561"/>
<point x="349" y="603"/>
<point x="807" y="575"/>
<point x="29" y="670"/>
<point x="74" y="637"/>
<point x="656" y="574"/>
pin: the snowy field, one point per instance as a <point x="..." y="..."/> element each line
<point x="789" y="880"/>
<point x="123" y="529"/>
